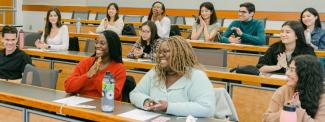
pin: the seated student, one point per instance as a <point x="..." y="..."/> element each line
<point x="280" y="53"/>
<point x="206" y="26"/>
<point x="148" y="43"/>
<point x="304" y="89"/>
<point x="88" y="75"/>
<point x="55" y="35"/>
<point x="157" y="15"/>
<point x="315" y="36"/>
<point x="112" y="21"/>
<point x="12" y="59"/>
<point x="246" y="30"/>
<point x="176" y="85"/>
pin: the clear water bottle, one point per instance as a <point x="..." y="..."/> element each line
<point x="78" y="25"/>
<point x="108" y="93"/>
<point x="21" y="37"/>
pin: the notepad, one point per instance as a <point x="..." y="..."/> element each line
<point x="73" y="100"/>
<point x="279" y="76"/>
<point x="138" y="114"/>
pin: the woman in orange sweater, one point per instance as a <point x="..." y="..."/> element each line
<point x="87" y="77"/>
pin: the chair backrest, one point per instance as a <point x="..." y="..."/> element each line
<point x="40" y="77"/>
<point x="73" y="44"/>
<point x="263" y="20"/>
<point x="132" y="18"/>
<point x="100" y="16"/>
<point x="221" y="21"/>
<point x="31" y="37"/>
<point x="323" y="24"/>
<point x="129" y="85"/>
<point x="83" y="15"/>
<point x="224" y="105"/>
<point x="212" y="57"/>
<point x="90" y="45"/>
<point x="172" y="19"/>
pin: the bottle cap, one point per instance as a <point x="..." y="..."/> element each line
<point x="290" y="108"/>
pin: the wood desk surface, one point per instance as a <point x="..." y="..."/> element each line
<point x="212" y="72"/>
<point x="41" y="98"/>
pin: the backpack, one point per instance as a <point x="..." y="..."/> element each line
<point x="174" y="30"/>
<point x="128" y="29"/>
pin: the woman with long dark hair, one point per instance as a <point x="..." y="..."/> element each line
<point x="310" y="20"/>
<point x="146" y="46"/>
<point x="88" y="75"/>
<point x="292" y="44"/>
<point x="158" y="16"/>
<point x="112" y="21"/>
<point x="206" y="26"/>
<point x="55" y="35"/>
<point x="304" y="89"/>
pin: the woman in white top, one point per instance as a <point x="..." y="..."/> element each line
<point x="157" y="15"/>
<point x="206" y="27"/>
<point x="112" y="21"/>
<point x="55" y="35"/>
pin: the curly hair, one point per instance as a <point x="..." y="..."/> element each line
<point x="181" y="58"/>
<point x="310" y="82"/>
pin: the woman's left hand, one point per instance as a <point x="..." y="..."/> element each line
<point x="160" y="106"/>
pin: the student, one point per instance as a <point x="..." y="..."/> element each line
<point x="176" y="85"/>
<point x="148" y="43"/>
<point x="246" y="30"/>
<point x="304" y="89"/>
<point x="12" y="59"/>
<point x="206" y="27"/>
<point x="280" y="53"/>
<point x="88" y="75"/>
<point x="112" y="21"/>
<point x="55" y="35"/>
<point x="157" y="15"/>
<point x="315" y="36"/>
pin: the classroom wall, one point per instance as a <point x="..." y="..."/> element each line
<point x="33" y="21"/>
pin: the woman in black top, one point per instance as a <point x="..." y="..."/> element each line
<point x="292" y="44"/>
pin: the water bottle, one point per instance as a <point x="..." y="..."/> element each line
<point x="78" y="25"/>
<point x="21" y="36"/>
<point x="288" y="114"/>
<point x="108" y="93"/>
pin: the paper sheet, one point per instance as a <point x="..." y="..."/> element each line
<point x="73" y="100"/>
<point x="279" y="76"/>
<point x="138" y="114"/>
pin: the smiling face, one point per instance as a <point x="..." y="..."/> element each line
<point x="145" y="32"/>
<point x="309" y="19"/>
<point x="53" y="18"/>
<point x="112" y="11"/>
<point x="287" y="35"/>
<point x="244" y="14"/>
<point x="164" y="55"/>
<point x="292" y="74"/>
<point x="205" y="13"/>
<point x="101" y="47"/>
<point x="157" y="9"/>
<point x="9" y="41"/>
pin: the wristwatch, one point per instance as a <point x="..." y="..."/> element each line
<point x="49" y="46"/>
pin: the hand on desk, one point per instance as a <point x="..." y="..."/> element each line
<point x="234" y="40"/>
<point x="138" y="52"/>
<point x="40" y="44"/>
<point x="161" y="105"/>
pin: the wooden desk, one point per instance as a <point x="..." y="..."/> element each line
<point x="41" y="98"/>
<point x="212" y="72"/>
<point x="186" y="27"/>
<point x="243" y="47"/>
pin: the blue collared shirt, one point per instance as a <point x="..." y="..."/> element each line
<point x="318" y="38"/>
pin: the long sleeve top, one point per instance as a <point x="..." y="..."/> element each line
<point x="151" y="53"/>
<point x="270" y="57"/>
<point x="253" y="32"/>
<point x="117" y="27"/>
<point x="60" y="41"/>
<point x="78" y="82"/>
<point x="317" y="38"/>
<point x="281" y="97"/>
<point x="187" y="96"/>
<point x="163" y="27"/>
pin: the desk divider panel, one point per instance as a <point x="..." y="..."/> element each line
<point x="66" y="69"/>
<point x="39" y="116"/>
<point x="241" y="59"/>
<point x="137" y="75"/>
<point x="42" y="63"/>
<point x="10" y="113"/>
<point x="250" y="102"/>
